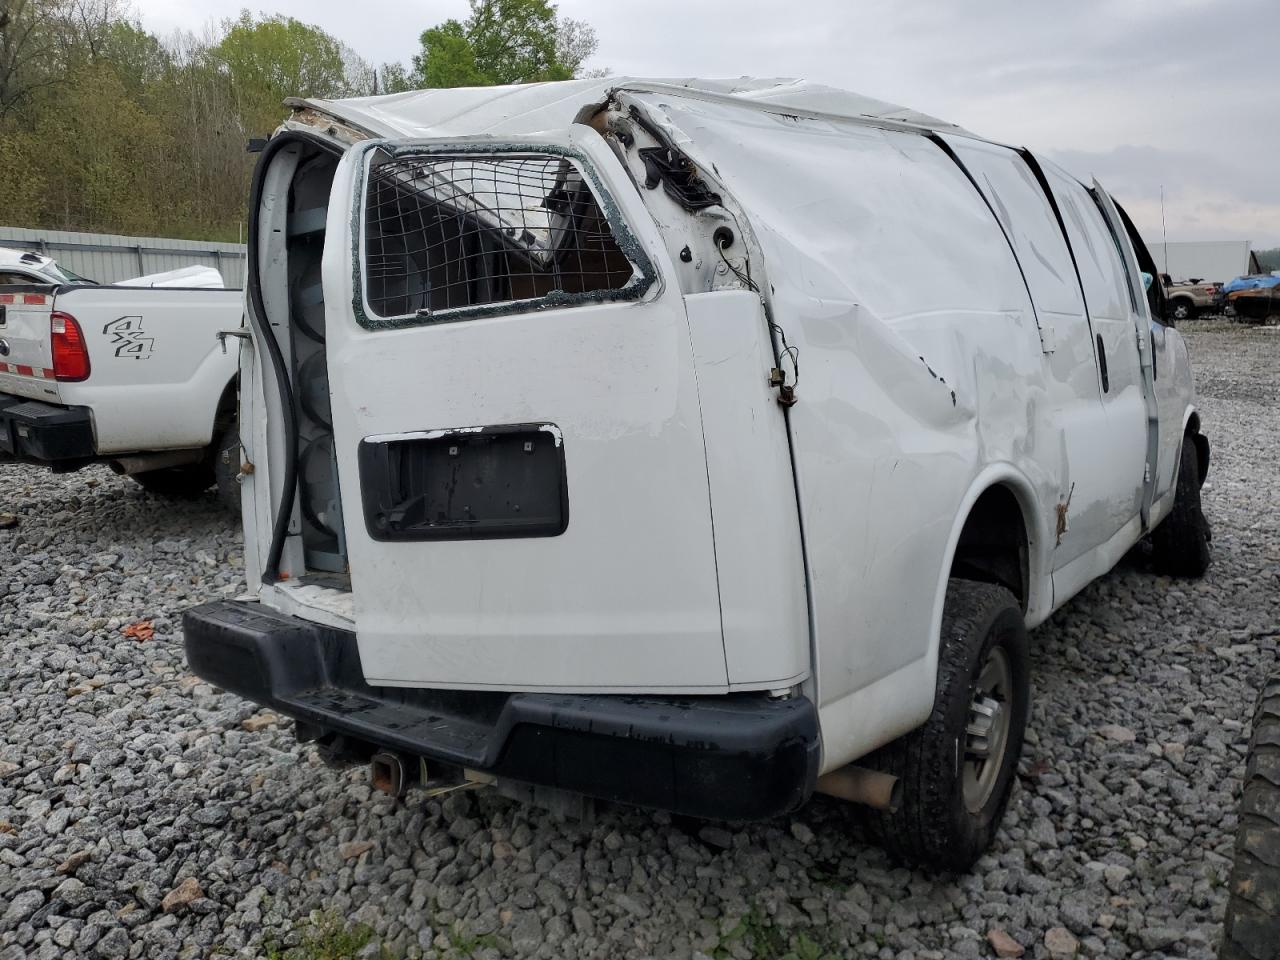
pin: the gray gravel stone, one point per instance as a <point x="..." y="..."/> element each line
<point x="23" y="906"/>
<point x="113" y="945"/>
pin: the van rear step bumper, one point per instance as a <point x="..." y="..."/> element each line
<point x="732" y="757"/>
<point x="36" y="432"/>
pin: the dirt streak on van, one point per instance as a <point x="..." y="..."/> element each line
<point x="608" y="442"/>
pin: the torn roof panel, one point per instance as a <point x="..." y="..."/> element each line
<point x="534" y="107"/>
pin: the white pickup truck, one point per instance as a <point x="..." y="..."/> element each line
<point x="700" y="445"/>
<point x="131" y="375"/>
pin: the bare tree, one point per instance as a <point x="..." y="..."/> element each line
<point x="41" y="40"/>
<point x="27" y="47"/>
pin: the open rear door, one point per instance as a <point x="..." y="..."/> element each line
<point x="516" y="422"/>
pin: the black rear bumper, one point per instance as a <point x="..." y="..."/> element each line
<point x="734" y="757"/>
<point x="36" y="432"/>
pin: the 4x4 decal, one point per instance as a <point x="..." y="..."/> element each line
<point x="129" y="338"/>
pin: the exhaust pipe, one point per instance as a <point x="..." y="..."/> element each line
<point x="142" y="463"/>
<point x="872" y="788"/>
<point x="392" y="772"/>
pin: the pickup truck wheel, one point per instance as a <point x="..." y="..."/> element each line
<point x="957" y="770"/>
<point x="1183" y="309"/>
<point x="226" y="467"/>
<point x="1253" y="902"/>
<point x="183" y="483"/>
<point x="1180" y="544"/>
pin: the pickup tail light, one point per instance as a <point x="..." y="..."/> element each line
<point x="70" y="353"/>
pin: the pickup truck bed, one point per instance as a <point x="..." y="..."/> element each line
<point x="133" y="376"/>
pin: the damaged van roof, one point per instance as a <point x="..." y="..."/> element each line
<point x="533" y="107"/>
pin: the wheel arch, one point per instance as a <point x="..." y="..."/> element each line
<point x="1191" y="431"/>
<point x="993" y="495"/>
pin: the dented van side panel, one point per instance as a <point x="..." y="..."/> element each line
<point x="922" y="381"/>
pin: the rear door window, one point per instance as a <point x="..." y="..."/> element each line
<point x="452" y="235"/>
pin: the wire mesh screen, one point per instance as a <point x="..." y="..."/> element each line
<point x="448" y="232"/>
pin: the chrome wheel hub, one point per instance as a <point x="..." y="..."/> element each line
<point x="985" y="716"/>
<point x="987" y="730"/>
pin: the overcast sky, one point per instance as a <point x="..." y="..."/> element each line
<point x="1140" y="93"/>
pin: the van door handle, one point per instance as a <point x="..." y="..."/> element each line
<point x="1102" y="365"/>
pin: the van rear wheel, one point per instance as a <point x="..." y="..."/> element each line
<point x="957" y="770"/>
<point x="1180" y="544"/>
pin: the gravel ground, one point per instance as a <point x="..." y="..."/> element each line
<point x="143" y="813"/>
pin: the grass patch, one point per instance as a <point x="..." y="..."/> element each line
<point x="766" y="941"/>
<point x="328" y="938"/>
<point x="827" y="875"/>
<point x="463" y="944"/>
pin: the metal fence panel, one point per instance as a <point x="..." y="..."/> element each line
<point x="108" y="258"/>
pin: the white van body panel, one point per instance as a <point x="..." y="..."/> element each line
<point x="759" y="556"/>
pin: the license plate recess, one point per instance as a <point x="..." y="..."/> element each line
<point x="470" y="483"/>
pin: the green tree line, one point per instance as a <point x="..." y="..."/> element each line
<point x="106" y="127"/>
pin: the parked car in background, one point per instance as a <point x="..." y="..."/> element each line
<point x="1188" y="299"/>
<point x="1255" y="298"/>
<point x="20" y="266"/>
<point x="133" y="376"/>
<point x="606" y="443"/>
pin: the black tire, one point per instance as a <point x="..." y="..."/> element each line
<point x="180" y="483"/>
<point x="1253" y="903"/>
<point x="936" y="826"/>
<point x="1182" y="309"/>
<point x="1180" y="545"/>
<point x="226" y="467"/>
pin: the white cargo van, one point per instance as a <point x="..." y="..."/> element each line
<point x="696" y="445"/>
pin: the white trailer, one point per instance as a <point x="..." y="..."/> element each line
<point x="1215" y="261"/>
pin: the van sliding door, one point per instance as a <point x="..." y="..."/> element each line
<point x="1125" y="384"/>
<point x="1086" y="476"/>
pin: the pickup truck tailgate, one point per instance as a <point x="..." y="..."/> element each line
<point x="26" y="360"/>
